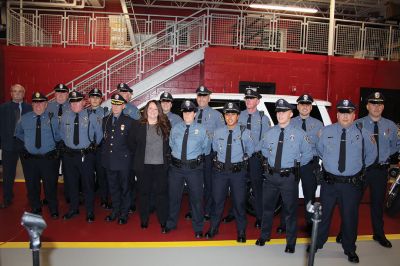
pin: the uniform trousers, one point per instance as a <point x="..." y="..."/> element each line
<point x="118" y="183"/>
<point x="76" y="168"/>
<point x="153" y="178"/>
<point x="309" y="185"/>
<point x="9" y="161"/>
<point x="209" y="204"/>
<point x="194" y="180"/>
<point x="256" y="180"/>
<point x="101" y="177"/>
<point x="236" y="182"/>
<point x="348" y="198"/>
<point x="36" y="169"/>
<point x="287" y="187"/>
<point x="376" y="180"/>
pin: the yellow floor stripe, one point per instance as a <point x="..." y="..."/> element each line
<point x="176" y="244"/>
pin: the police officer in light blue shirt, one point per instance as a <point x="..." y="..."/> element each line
<point x="61" y="104"/>
<point x="284" y="148"/>
<point x="188" y="142"/>
<point x="166" y="100"/>
<point x="38" y="133"/>
<point x="130" y="109"/>
<point x="387" y="143"/>
<point x="80" y="131"/>
<point x="311" y="126"/>
<point x="345" y="150"/>
<point x="233" y="146"/>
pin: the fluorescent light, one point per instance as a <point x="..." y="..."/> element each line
<point x="285" y="8"/>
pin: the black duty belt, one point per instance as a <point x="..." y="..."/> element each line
<point x="353" y="179"/>
<point x="192" y="164"/>
<point x="84" y="151"/>
<point x="234" y="167"/>
<point x="282" y="172"/>
<point x="49" y="155"/>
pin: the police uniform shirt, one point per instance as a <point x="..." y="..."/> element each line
<point x="211" y="119"/>
<point x="389" y="140"/>
<point x="296" y="146"/>
<point x="132" y="111"/>
<point x="101" y="112"/>
<point x="198" y="141"/>
<point x="89" y="127"/>
<point x="54" y="106"/>
<point x="174" y="118"/>
<point x="328" y="148"/>
<point x="26" y="131"/>
<point x="313" y="126"/>
<point x="220" y="141"/>
<point x="256" y="121"/>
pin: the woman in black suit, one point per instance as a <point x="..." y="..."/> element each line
<point x="149" y="141"/>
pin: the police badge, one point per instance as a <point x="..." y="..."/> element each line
<point x="122" y="127"/>
<point x="346" y="102"/>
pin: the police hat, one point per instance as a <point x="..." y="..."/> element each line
<point x="75" y="96"/>
<point x="166" y="97"/>
<point x="188" y="106"/>
<point x="231" y="107"/>
<point x="203" y="91"/>
<point x="252" y="93"/>
<point x="345" y="106"/>
<point x="123" y="87"/>
<point x="38" y="97"/>
<point x="117" y="99"/>
<point x="282" y="105"/>
<point x="95" y="92"/>
<point x="376" y="98"/>
<point x="61" y="88"/>
<point x="305" y="99"/>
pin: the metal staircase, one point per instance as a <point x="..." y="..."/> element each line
<point x="151" y="62"/>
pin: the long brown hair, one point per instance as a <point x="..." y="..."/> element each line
<point x="163" y="123"/>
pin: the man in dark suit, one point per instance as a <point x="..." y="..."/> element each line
<point x="10" y="113"/>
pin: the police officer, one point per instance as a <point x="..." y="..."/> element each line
<point x="80" y="131"/>
<point x="130" y="109"/>
<point x="345" y="150"/>
<point x="285" y="148"/>
<point x="61" y="103"/>
<point x="38" y="134"/>
<point x="188" y="141"/>
<point x="233" y="146"/>
<point x="211" y="119"/>
<point x="95" y="99"/>
<point x="311" y="126"/>
<point x="166" y="100"/>
<point x="116" y="158"/>
<point x="387" y="142"/>
<point x="10" y="113"/>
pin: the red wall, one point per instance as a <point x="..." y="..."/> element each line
<point x="42" y="68"/>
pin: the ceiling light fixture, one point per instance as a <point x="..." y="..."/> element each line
<point x="285" y="8"/>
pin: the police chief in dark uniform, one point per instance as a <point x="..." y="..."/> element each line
<point x="38" y="134"/>
<point x="10" y="113"/>
<point x="116" y="158"/>
<point x="285" y="148"/>
<point x="345" y="150"/>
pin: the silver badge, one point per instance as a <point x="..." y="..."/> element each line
<point x="73" y="94"/>
<point x="187" y="103"/>
<point x="122" y="127"/>
<point x="201" y="88"/>
<point x="165" y="94"/>
<point x="248" y="92"/>
<point x="121" y="85"/>
<point x="196" y="131"/>
<point x="305" y="97"/>
<point x="377" y="95"/>
<point x="116" y="97"/>
<point x="346" y="102"/>
<point x="230" y="105"/>
<point x="60" y="86"/>
<point x="96" y="90"/>
<point x="37" y="94"/>
<point x="280" y="101"/>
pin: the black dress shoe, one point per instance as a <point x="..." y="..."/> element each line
<point x="339" y="238"/>
<point x="229" y="218"/>
<point x="54" y="215"/>
<point x="166" y="230"/>
<point x="383" y="241"/>
<point x="207" y="217"/>
<point x="261" y="241"/>
<point x="211" y="233"/>
<point x="70" y="214"/>
<point x="111" y="217"/>
<point x="123" y="220"/>
<point x="352" y="257"/>
<point x="4" y="205"/>
<point x="188" y="215"/>
<point x="309" y="249"/>
<point x="90" y="217"/>
<point x="241" y="237"/>
<point x="132" y="209"/>
<point x="37" y="211"/>
<point x="289" y="249"/>
<point x="198" y="235"/>
<point x="257" y="224"/>
<point x="280" y="230"/>
<point x="105" y="205"/>
<point x="144" y="225"/>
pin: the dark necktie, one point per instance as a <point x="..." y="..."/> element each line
<point x="114" y="119"/>
<point x="342" y="152"/>
<point x="18" y="112"/>
<point x="60" y="110"/>
<point x="200" y="117"/>
<point x="278" y="157"/>
<point x="38" y="135"/>
<point x="376" y="135"/>
<point x="228" y="154"/>
<point x="184" y="144"/>
<point x="249" y="122"/>
<point x="76" y="129"/>
<point x="303" y="126"/>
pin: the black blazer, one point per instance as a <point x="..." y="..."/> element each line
<point x="137" y="143"/>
